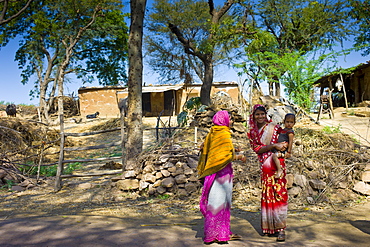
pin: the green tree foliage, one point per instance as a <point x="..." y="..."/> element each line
<point x="86" y="38"/>
<point x="295" y="26"/>
<point x="361" y="12"/>
<point x="101" y="50"/>
<point x="302" y="71"/>
<point x="12" y="17"/>
<point x="187" y="39"/>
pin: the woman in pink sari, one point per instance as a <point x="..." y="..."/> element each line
<point x="215" y="168"/>
<point x="263" y="137"/>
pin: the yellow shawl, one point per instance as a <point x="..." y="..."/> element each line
<point x="218" y="151"/>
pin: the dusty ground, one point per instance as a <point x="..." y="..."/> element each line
<point x="84" y="213"/>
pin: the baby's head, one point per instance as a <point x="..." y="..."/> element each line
<point x="289" y="120"/>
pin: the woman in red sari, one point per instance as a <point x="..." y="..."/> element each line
<point x="263" y="137"/>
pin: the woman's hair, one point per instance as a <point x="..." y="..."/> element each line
<point x="260" y="108"/>
<point x="289" y="115"/>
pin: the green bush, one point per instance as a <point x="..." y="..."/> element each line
<point x="50" y="171"/>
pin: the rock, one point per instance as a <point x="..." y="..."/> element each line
<point x="365" y="176"/>
<point x="317" y="184"/>
<point x="172" y="169"/>
<point x="182" y="192"/>
<point x="190" y="187"/>
<point x="160" y="190"/>
<point x="3" y="173"/>
<point x="164" y="158"/>
<point x="310" y="165"/>
<point x="310" y="200"/>
<point x="362" y="188"/>
<point x="143" y="185"/>
<point x="158" y="175"/>
<point x="129" y="174"/>
<point x="180" y="179"/>
<point x="289" y="180"/>
<point x="181" y="165"/>
<point x="165" y="173"/>
<point x="18" y="188"/>
<point x="300" y="180"/>
<point x="313" y="174"/>
<point x="192" y="163"/>
<point x="294" y="191"/>
<point x="149" y="178"/>
<point x="157" y="183"/>
<point x="151" y="189"/>
<point x="193" y="178"/>
<point x="168" y="182"/>
<point x="149" y="169"/>
<point x="84" y="186"/>
<point x="128" y="184"/>
<point x="239" y="127"/>
<point x="168" y="165"/>
<point x="342" y="185"/>
<point x="188" y="171"/>
<point x="178" y="171"/>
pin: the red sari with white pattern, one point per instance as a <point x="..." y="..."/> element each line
<point x="274" y="197"/>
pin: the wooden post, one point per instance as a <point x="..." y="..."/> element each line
<point x="320" y="108"/>
<point x="330" y="99"/>
<point x="195" y="135"/>
<point x="344" y="92"/>
<point x="58" y="179"/>
<point x="123" y="139"/>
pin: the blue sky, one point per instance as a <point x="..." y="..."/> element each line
<point x="13" y="91"/>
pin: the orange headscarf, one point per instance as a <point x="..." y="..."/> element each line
<point x="218" y="149"/>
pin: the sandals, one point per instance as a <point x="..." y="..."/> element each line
<point x="216" y="241"/>
<point x="235" y="237"/>
<point x="281" y="236"/>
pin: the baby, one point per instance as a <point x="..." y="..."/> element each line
<point x="285" y="135"/>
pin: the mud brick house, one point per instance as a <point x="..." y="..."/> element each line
<point x="167" y="98"/>
<point x="356" y="83"/>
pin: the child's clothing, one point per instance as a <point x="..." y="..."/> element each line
<point x="283" y="137"/>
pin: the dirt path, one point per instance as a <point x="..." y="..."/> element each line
<point x="347" y="227"/>
<point x="357" y="127"/>
<point x="88" y="217"/>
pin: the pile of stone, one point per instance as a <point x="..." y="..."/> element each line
<point x="363" y="186"/>
<point x="204" y="120"/>
<point x="170" y="173"/>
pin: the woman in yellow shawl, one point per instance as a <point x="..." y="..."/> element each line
<point x="216" y="169"/>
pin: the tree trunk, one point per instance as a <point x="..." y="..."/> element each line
<point x="135" y="79"/>
<point x="271" y="88"/>
<point x="277" y="86"/>
<point x="205" y="91"/>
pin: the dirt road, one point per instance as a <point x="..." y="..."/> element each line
<point x="126" y="223"/>
<point x="357" y="127"/>
<point x="347" y="227"/>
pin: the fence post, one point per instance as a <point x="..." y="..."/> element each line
<point x="123" y="139"/>
<point x="195" y="135"/>
<point x="58" y="179"/>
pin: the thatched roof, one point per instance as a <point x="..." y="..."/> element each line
<point x="333" y="76"/>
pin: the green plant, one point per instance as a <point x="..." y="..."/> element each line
<point x="331" y="129"/>
<point x="50" y="171"/>
<point x="193" y="103"/>
<point x="165" y="196"/>
<point x="351" y="112"/>
<point x="71" y="167"/>
<point x="8" y="185"/>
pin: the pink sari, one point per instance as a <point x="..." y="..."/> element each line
<point x="274" y="197"/>
<point x="215" y="201"/>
